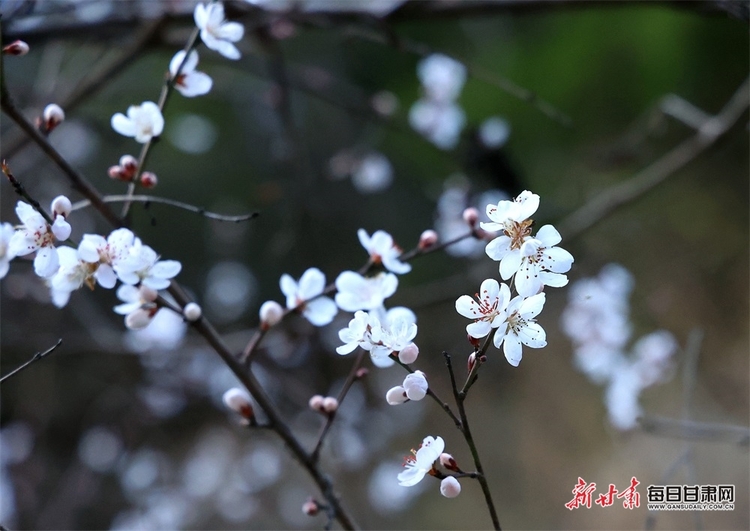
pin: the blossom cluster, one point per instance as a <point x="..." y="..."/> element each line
<point x="596" y="320"/>
<point x="436" y="115"/>
<point x="529" y="263"/>
<point x="96" y="261"/>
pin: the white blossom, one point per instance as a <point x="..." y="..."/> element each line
<point x="37" y="235"/>
<point x="510" y="217"/>
<point x="189" y="82"/>
<point x="104" y="255"/>
<point x="69" y="277"/>
<point x="542" y="263"/>
<point x="442" y="77"/>
<point x="142" y="265"/>
<point x="383" y="250"/>
<point x="138" y="305"/>
<point x="440" y="122"/>
<point x="357" y="334"/>
<point x="216" y="33"/>
<point x="487" y="308"/>
<point x="421" y="462"/>
<point x="6" y="233"/>
<point x="450" y="487"/>
<point x="520" y="327"/>
<point x="356" y="292"/>
<point x="143" y="122"/>
<point x="305" y="296"/>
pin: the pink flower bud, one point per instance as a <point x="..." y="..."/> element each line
<point x="428" y="239"/>
<point x="271" y="313"/>
<point x="408" y="354"/>
<point x="396" y="395"/>
<point x="147" y="294"/>
<point x="61" y="206"/>
<point x="471" y="216"/>
<point x="115" y="172"/>
<point x="330" y="404"/>
<point x="239" y="400"/>
<point x="17" y="47"/>
<point x="128" y="166"/>
<point x="192" y="312"/>
<point x="310" y="507"/>
<point x="148" y="179"/>
<point x="362" y="372"/>
<point x="448" y="462"/>
<point x="450" y="487"/>
<point x="52" y="116"/>
<point x="140" y="318"/>
<point x="316" y="403"/>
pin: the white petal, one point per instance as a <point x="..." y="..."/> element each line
<point x="555" y="280"/>
<point x="411" y="476"/>
<point x="231" y="31"/>
<point x="200" y="16"/>
<point x="528" y="204"/>
<point x="288" y="287"/>
<point x="46" y="262"/>
<point x="528" y="282"/>
<point x="320" y="311"/>
<point x="531" y="307"/>
<point x="227" y="49"/>
<point x="105" y="276"/>
<point x="468" y="307"/>
<point x="188" y="67"/>
<point x="512" y="350"/>
<point x="558" y="260"/>
<point x="166" y="269"/>
<point x="479" y="329"/>
<point x="346" y="349"/>
<point x="509" y="264"/>
<point x="123" y="125"/>
<point x="195" y="84"/>
<point x="548" y="236"/>
<point x="533" y="335"/>
<point x="61" y="228"/>
<point x="312" y="283"/>
<point x="155" y="283"/>
<point x="498" y="248"/>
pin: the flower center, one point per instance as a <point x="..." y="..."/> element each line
<point x="517" y="231"/>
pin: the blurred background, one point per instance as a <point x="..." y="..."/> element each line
<point x="325" y="125"/>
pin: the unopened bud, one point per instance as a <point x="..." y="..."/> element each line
<point x="415" y="385"/>
<point x="271" y="313"/>
<point x="128" y="165"/>
<point x="316" y="403"/>
<point x="140" y="318"/>
<point x="330" y="404"/>
<point x="448" y="462"/>
<point x="239" y="400"/>
<point x="115" y="172"/>
<point x="471" y="362"/>
<point x="471" y="216"/>
<point x="61" y="206"/>
<point x="52" y="116"/>
<point x="473" y="341"/>
<point x="17" y="47"/>
<point x="361" y="373"/>
<point x="396" y="395"/>
<point x="147" y="294"/>
<point x="310" y="507"/>
<point x="450" y="487"/>
<point x="408" y="354"/>
<point x="148" y="179"/>
<point x="192" y="312"/>
<point x="427" y="239"/>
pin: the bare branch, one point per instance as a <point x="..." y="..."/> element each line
<point x="38" y="356"/>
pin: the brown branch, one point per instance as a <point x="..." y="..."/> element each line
<point x="608" y="201"/>
<point x="38" y="356"/>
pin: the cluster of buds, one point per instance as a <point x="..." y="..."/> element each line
<point x="324" y="404"/>
<point x="127" y="170"/>
<point x="414" y="387"/>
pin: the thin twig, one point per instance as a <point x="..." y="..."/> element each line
<point x="166" y="201"/>
<point x="350" y="379"/>
<point x="96" y="81"/>
<point x="38" y="356"/>
<point x="466" y="431"/>
<point x="604" y="204"/>
<point x="694" y="430"/>
<point x="166" y="90"/>
<point x="20" y="190"/>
